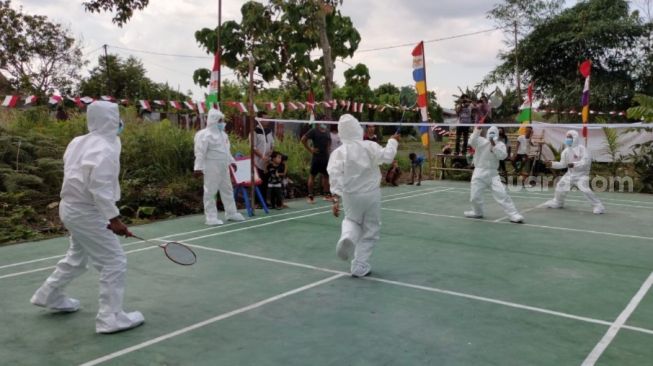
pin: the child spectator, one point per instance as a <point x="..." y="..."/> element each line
<point x="415" y="168"/>
<point x="392" y="176"/>
<point x="275" y="175"/>
<point x="285" y="181"/>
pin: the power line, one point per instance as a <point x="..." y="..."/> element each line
<point x="161" y="54"/>
<point x="430" y="40"/>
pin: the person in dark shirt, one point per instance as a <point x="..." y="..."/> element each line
<point x="415" y="168"/>
<point x="319" y="148"/>
<point x="275" y="173"/>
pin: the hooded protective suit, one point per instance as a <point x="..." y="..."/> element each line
<point x="213" y="158"/>
<point x="354" y="175"/>
<point x="88" y="201"/>
<point x="486" y="175"/>
<point x="578" y="175"/>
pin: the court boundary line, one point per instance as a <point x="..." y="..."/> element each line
<point x="522" y="212"/>
<point x="237" y="230"/>
<point x="577" y="198"/>
<point x="428" y="289"/>
<point x="209" y="321"/>
<point x="611" y="333"/>
<point x="16" y="264"/>
<point x="559" y="228"/>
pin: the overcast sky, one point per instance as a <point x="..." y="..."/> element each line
<point x="169" y="26"/>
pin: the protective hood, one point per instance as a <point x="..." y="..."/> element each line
<point x="493" y="129"/>
<point x="349" y="129"/>
<point x="103" y="118"/>
<point x="574" y="137"/>
<point x="214" y="117"/>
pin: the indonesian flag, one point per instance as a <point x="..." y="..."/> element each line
<point x="10" y="101"/>
<point x="87" y="100"/>
<point x="292" y="106"/>
<point x="145" y="105"/>
<point x="300" y="105"/>
<point x="254" y="108"/>
<point x="189" y="104"/>
<point x="159" y="102"/>
<point x="360" y="107"/>
<point x="269" y="106"/>
<point x="54" y="99"/>
<point x="77" y="102"/>
<point x="310" y="104"/>
<point x="108" y="98"/>
<point x="30" y="99"/>
<point x="212" y="98"/>
<point x="347" y="104"/>
<point x="175" y="104"/>
<point x="124" y="101"/>
<point x="280" y="107"/>
<point x="343" y="103"/>
<point x="326" y="104"/>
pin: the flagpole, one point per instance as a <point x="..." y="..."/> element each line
<point x="428" y="136"/>
<point x="250" y="111"/>
<point x="217" y="49"/>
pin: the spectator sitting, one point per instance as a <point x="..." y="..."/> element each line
<point x="393" y="174"/>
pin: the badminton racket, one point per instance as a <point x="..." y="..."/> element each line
<point x="176" y="252"/>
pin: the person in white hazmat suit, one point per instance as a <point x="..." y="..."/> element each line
<point x="578" y="162"/>
<point x="88" y="203"/>
<point x="489" y="151"/>
<point x="354" y="175"/>
<point x="212" y="160"/>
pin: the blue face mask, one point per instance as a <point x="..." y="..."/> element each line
<point x="220" y="126"/>
<point x="491" y="136"/>
<point x="121" y="127"/>
<point x="569" y="141"/>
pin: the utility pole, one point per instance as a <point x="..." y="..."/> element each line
<point x="106" y="67"/>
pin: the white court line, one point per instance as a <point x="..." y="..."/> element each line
<point x="522" y="212"/>
<point x="52" y="267"/>
<point x="237" y="230"/>
<point x="206" y="322"/>
<point x="591" y="359"/>
<point x="531" y="225"/>
<point x="540" y="195"/>
<point x="301" y="217"/>
<point x="199" y="230"/>
<point x="427" y="288"/>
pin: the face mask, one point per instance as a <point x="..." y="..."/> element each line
<point x="220" y="126"/>
<point x="121" y="127"/>
<point x="569" y="141"/>
<point x="491" y="136"/>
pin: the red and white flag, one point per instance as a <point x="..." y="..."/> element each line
<point x="30" y="99"/>
<point x="159" y="102"/>
<point x="124" y="101"/>
<point x="87" y="100"/>
<point x="108" y="98"/>
<point x="360" y="107"/>
<point x="175" y="104"/>
<point x="270" y="106"/>
<point x="301" y="106"/>
<point x="189" y="104"/>
<point x="201" y="107"/>
<point x="10" y="101"/>
<point x="280" y="107"/>
<point x="292" y="106"/>
<point x="54" y="99"/>
<point x="145" y="105"/>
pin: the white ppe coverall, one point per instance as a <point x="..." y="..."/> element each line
<point x="354" y="175"/>
<point x="486" y="175"/>
<point x="577" y="176"/>
<point x="88" y="201"/>
<point x="213" y="158"/>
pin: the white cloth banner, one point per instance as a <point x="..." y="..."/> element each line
<point x="597" y="143"/>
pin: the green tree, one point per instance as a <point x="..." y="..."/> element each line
<point x="124" y="9"/>
<point x="603" y="31"/>
<point x="36" y="54"/>
<point x="127" y="80"/>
